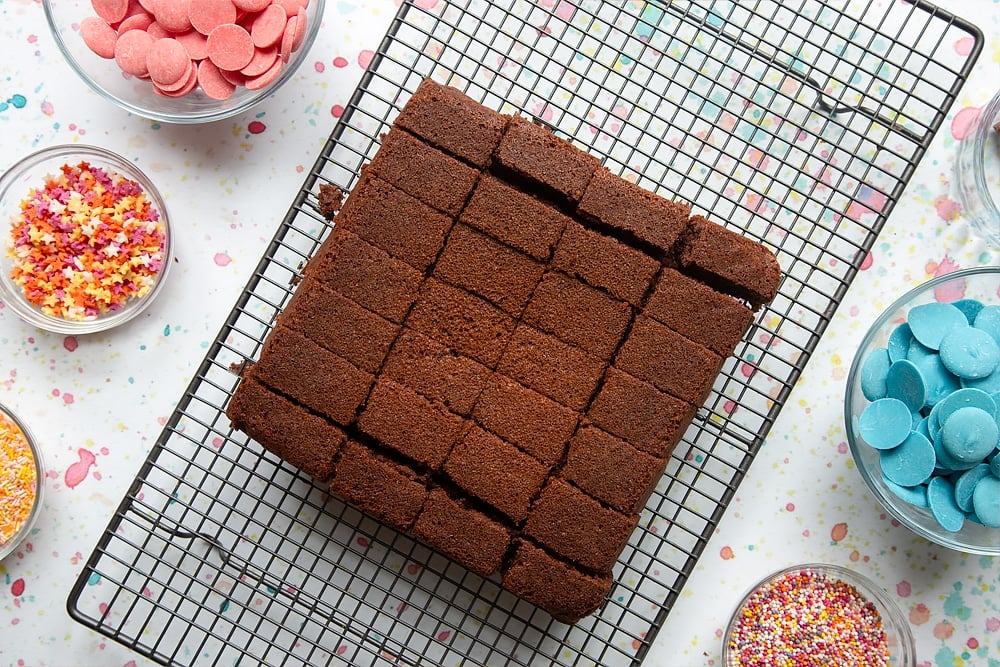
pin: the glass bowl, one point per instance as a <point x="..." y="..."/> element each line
<point x="783" y="614"/>
<point x="73" y="274"/>
<point x="22" y="475"/>
<point x="138" y="96"/>
<point x="977" y="173"/>
<point x="964" y="288"/>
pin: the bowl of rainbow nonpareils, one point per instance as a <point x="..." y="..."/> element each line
<point x="86" y="239"/>
<point x="817" y="614"/>
<point x="922" y="408"/>
<point x="185" y="61"/>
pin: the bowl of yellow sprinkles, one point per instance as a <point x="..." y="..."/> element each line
<point x="22" y="476"/>
<point x="87" y="239"/>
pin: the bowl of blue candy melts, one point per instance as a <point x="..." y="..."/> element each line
<point x="922" y="410"/>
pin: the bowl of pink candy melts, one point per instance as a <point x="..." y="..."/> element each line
<point x="922" y="410"/>
<point x="184" y="61"/>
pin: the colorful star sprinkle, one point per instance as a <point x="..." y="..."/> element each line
<point x="86" y="243"/>
<point x="18" y="479"/>
<point x="805" y="618"/>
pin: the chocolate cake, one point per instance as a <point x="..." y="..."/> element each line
<point x="498" y="346"/>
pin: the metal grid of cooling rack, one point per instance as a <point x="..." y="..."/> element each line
<point x="796" y="123"/>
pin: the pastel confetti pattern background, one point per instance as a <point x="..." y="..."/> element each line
<point x="96" y="403"/>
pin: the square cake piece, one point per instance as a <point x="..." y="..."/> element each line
<point x="499" y="346"/>
<point x="366" y="275"/>
<point x="387" y="490"/>
<point x="449" y="120"/>
<point x="484" y="266"/>
<point x="286" y="429"/>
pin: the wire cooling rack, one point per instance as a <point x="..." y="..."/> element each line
<point x="797" y="123"/>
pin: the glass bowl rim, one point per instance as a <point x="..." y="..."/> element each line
<point x="11" y="294"/>
<point x="36" y="507"/>
<point x="906" y="650"/>
<point x="208" y="116"/>
<point x="969" y="164"/>
<point x="939" y="538"/>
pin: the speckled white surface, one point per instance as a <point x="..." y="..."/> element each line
<point x="96" y="403"/>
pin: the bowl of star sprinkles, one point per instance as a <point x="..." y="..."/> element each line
<point x="87" y="239"/>
<point x="817" y="614"/>
<point x="21" y="482"/>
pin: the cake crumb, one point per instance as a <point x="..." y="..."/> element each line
<point x="330" y="198"/>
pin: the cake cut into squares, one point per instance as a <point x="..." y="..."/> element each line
<point x="484" y="266"/>
<point x="531" y="151"/>
<point x="669" y="361"/>
<point x="366" y="275"/>
<point x="466" y="323"/>
<point x="340" y="325"/>
<point x="285" y="429"/>
<point x="423" y="171"/>
<point x="632" y="209"/>
<point x="732" y="262"/>
<point x="403" y="420"/>
<point x="605" y="262"/>
<point x="578" y="314"/>
<point x="554" y="585"/>
<point x="462" y="533"/>
<point x="698" y="312"/>
<point x="577" y="527"/>
<point x="397" y="222"/>
<point x="496" y="472"/>
<point x="554" y="368"/>
<point x="450" y="120"/>
<point x="387" y="490"/>
<point x="611" y="470"/>
<point x="535" y="423"/>
<point x="515" y="217"/>
<point x="499" y="345"/>
<point x="311" y="375"/>
<point x="437" y="372"/>
<point x="639" y="413"/>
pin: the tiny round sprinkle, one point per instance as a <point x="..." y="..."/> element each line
<point x="805" y="618"/>
<point x="18" y="479"/>
<point x="85" y="243"/>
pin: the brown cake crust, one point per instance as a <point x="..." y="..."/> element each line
<point x="535" y="423"/>
<point x="437" y="372"/>
<point x="605" y="262"/>
<point x="517" y="218"/>
<point x="578" y="314"/>
<point x="533" y="152"/>
<point x="340" y="325"/>
<point x="390" y="492"/>
<point x="400" y="418"/>
<point x="557" y="587"/>
<point x="634" y="211"/>
<point x="285" y="429"/>
<point x="544" y="363"/>
<point x="397" y="222"/>
<point x="698" y="312"/>
<point x="461" y="320"/>
<point x="669" y="361"/>
<point x="449" y="120"/>
<point x="576" y="527"/>
<point x="496" y="472"/>
<point x="640" y="414"/>
<point x="484" y="266"/>
<point x="611" y="470"/>
<point x="731" y="262"/>
<point x="436" y="179"/>
<point x="365" y="274"/>
<point x="314" y="377"/>
<point x="462" y="533"/>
